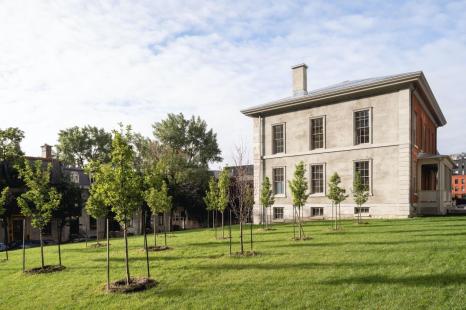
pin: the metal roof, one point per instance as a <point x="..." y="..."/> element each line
<point x="333" y="93"/>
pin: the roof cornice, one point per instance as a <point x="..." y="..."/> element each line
<point x="348" y="93"/>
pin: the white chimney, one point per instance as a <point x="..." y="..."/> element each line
<point x="46" y="151"/>
<point x="299" y="80"/>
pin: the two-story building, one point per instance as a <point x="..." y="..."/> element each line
<point x="385" y="128"/>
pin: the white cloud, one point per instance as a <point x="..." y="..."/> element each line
<point x="76" y="63"/>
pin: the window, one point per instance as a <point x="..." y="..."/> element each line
<point x="74" y="176"/>
<point x="363" y="168"/>
<point x="278" y="138"/>
<point x="278" y="213"/>
<point x="317" y="211"/>
<point x="92" y="223"/>
<point x="456" y="181"/>
<point x="361" y="127"/>
<point x="364" y="210"/>
<point x="279" y="181"/>
<point x="317" y="133"/>
<point x="317" y="179"/>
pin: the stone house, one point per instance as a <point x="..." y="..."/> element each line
<point x="385" y="128"/>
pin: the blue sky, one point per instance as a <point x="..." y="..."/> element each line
<point x="102" y="62"/>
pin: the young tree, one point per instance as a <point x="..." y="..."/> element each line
<point x="40" y="199"/>
<point x="158" y="201"/>
<point x="241" y="189"/>
<point x="223" y="195"/>
<point x="4" y="197"/>
<point x="336" y="194"/>
<point x="360" y="194"/>
<point x="211" y="199"/>
<point x="70" y="206"/>
<point x="266" y="197"/>
<point x="299" y="193"/>
<point x="249" y="205"/>
<point x="97" y="205"/>
<point x="123" y="186"/>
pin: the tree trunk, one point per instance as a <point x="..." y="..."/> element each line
<point x="24" y="245"/>
<point x="97" y="231"/>
<point x="165" y="228"/>
<point x="125" y="232"/>
<point x="215" y="226"/>
<point x="299" y="221"/>
<point x="230" y="232"/>
<point x="41" y="249"/>
<point x="241" y="236"/>
<point x="145" y="245"/>
<point x="208" y="219"/>
<point x="250" y="226"/>
<point x="108" y="255"/>
<point x="5" y="233"/>
<point x="223" y="227"/>
<point x="155" y="230"/>
<point x="294" y="222"/>
<point x="59" y="227"/>
<point x="339" y="215"/>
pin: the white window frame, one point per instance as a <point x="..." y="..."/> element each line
<point x="324" y="131"/>
<point x="363" y="208"/>
<point x="284" y="181"/>
<point x="324" y="168"/>
<point x="371" y="125"/>
<point x="273" y="138"/>
<point x="322" y="208"/>
<point x="371" y="173"/>
<point x="273" y="214"/>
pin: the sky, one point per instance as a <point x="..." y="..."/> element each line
<point x="67" y="63"/>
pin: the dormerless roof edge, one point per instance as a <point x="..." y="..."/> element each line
<point x="351" y="89"/>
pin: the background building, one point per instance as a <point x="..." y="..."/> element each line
<point x="458" y="179"/>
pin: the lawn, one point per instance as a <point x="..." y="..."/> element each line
<point x="386" y="264"/>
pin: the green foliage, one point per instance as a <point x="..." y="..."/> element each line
<point x="10" y="149"/>
<point x="189" y="137"/>
<point x="211" y="197"/>
<point x="40" y="199"/>
<point x="97" y="205"/>
<point x="360" y="191"/>
<point x="223" y="190"/>
<point x="4" y="197"/>
<point x="158" y="200"/>
<point x="336" y="193"/>
<point x="266" y="197"/>
<point x="123" y="184"/>
<point x="299" y="186"/>
<point x="78" y="146"/>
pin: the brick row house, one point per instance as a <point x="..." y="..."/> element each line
<point x="459" y="176"/>
<point x="385" y="128"/>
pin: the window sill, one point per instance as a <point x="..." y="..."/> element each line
<point x="317" y="195"/>
<point x="279" y="196"/>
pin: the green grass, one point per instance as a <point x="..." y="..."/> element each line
<point x="386" y="264"/>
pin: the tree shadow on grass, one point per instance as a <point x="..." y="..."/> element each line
<point x="291" y="266"/>
<point x="355" y="243"/>
<point x="434" y="280"/>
